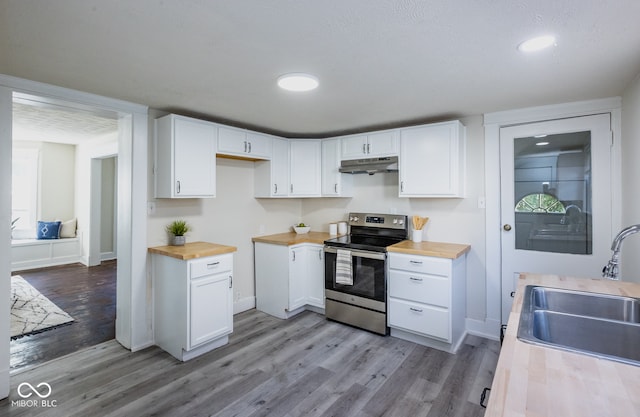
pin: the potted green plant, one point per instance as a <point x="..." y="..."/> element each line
<point x="178" y="228"/>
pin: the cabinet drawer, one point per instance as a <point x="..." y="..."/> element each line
<point x="426" y="289"/>
<point x="421" y="264"/>
<point x="419" y="318"/>
<point x="210" y="265"/>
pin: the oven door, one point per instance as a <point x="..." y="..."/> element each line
<point x="368" y="269"/>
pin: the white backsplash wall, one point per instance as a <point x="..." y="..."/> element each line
<point x="450" y="220"/>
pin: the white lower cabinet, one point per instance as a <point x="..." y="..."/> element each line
<point x="289" y="278"/>
<point x="193" y="304"/>
<point x="427" y="302"/>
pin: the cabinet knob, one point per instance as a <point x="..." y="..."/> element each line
<point x="507" y="227"/>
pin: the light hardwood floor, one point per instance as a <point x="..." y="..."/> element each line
<point x="305" y="366"/>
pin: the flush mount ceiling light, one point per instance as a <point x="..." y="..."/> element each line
<point x="537" y="44"/>
<point x="298" y="81"/>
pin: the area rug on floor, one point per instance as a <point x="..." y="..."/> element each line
<point x="32" y="312"/>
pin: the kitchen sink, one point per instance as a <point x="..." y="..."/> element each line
<point x="584" y="304"/>
<point x="600" y="325"/>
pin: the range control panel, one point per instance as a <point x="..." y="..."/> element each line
<point x="390" y="221"/>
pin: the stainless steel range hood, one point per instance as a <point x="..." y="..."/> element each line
<point x="370" y="165"/>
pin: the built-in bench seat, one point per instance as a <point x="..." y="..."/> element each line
<point x="34" y="253"/>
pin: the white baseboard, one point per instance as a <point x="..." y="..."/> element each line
<point x="141" y="346"/>
<point x="489" y="328"/>
<point x="108" y="256"/>
<point x="244" y="304"/>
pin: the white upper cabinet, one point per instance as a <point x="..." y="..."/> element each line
<point x="293" y="171"/>
<point x="243" y="144"/>
<point x="370" y="145"/>
<point x="432" y="160"/>
<point x="271" y="178"/>
<point x="185" y="157"/>
<point x="334" y="184"/>
<point x="304" y="168"/>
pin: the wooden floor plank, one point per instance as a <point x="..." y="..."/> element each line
<point x="88" y="294"/>
<point x="304" y="366"/>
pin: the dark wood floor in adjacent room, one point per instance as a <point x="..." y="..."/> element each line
<point x="88" y="294"/>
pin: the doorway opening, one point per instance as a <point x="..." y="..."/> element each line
<point x="73" y="181"/>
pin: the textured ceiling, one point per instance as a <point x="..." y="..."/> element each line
<point x="380" y="62"/>
<point x="32" y="121"/>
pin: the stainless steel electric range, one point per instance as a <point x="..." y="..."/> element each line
<point x="356" y="270"/>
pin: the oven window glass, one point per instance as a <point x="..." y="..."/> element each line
<point x="368" y="277"/>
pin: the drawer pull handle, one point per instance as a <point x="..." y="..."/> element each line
<point x="213" y="265"/>
<point x="417" y="310"/>
<point x="416" y="262"/>
<point x="415" y="279"/>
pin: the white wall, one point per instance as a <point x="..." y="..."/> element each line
<point x="108" y="192"/>
<point x="57" y="181"/>
<point x="630" y="173"/>
<point x="56" y="196"/>
<point x="100" y="147"/>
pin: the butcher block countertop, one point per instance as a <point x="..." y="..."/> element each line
<point x="437" y="249"/>
<point x="193" y="250"/>
<point x="539" y="381"/>
<point x="293" y="238"/>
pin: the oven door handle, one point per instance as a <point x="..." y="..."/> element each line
<point x="360" y="253"/>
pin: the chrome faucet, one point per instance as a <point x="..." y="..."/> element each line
<point x="611" y="269"/>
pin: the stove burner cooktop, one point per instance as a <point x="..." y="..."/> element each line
<point x="371" y="243"/>
<point x="372" y="232"/>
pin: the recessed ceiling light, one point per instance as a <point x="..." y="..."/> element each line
<point x="298" y="81"/>
<point x="542" y="143"/>
<point x="537" y="44"/>
<point x="540" y="136"/>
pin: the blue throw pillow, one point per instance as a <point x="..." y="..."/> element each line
<point x="48" y="230"/>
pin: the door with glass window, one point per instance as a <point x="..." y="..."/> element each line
<point x="555" y="199"/>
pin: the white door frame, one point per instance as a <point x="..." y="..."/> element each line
<point x="133" y="322"/>
<point x="492" y="124"/>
